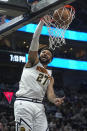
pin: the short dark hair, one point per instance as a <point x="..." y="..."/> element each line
<point x="47" y="48"/>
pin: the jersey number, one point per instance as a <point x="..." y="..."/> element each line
<point x="42" y="78"/>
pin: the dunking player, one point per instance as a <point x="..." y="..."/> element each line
<point x="35" y="81"/>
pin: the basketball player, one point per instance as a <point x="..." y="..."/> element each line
<point x="35" y="81"/>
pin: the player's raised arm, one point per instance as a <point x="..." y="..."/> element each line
<point x="33" y="51"/>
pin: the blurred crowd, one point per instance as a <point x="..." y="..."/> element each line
<point x="70" y="116"/>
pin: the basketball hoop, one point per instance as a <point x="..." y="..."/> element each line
<point x="57" y="23"/>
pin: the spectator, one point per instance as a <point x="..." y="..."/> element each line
<point x="1" y="127"/>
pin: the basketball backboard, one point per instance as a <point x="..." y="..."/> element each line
<point x="24" y="12"/>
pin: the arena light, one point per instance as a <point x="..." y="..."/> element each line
<point x="72" y="35"/>
<point x="67" y="64"/>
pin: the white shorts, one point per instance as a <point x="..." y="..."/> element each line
<point x="30" y="116"/>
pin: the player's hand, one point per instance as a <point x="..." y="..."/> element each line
<point x="46" y="19"/>
<point x="59" y="101"/>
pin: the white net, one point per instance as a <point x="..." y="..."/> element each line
<point x="57" y="27"/>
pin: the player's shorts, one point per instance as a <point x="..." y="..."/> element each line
<point x="30" y="116"/>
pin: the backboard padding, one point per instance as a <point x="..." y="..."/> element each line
<point x="25" y="15"/>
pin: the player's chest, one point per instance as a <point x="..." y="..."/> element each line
<point x="39" y="74"/>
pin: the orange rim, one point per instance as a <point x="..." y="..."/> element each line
<point x="70" y="7"/>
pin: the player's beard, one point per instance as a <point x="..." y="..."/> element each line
<point x="45" y="62"/>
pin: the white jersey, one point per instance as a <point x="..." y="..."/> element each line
<point x="34" y="82"/>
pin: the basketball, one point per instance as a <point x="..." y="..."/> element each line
<point x="62" y="16"/>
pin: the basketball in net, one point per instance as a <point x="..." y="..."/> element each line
<point x="63" y="16"/>
<point x="57" y="23"/>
